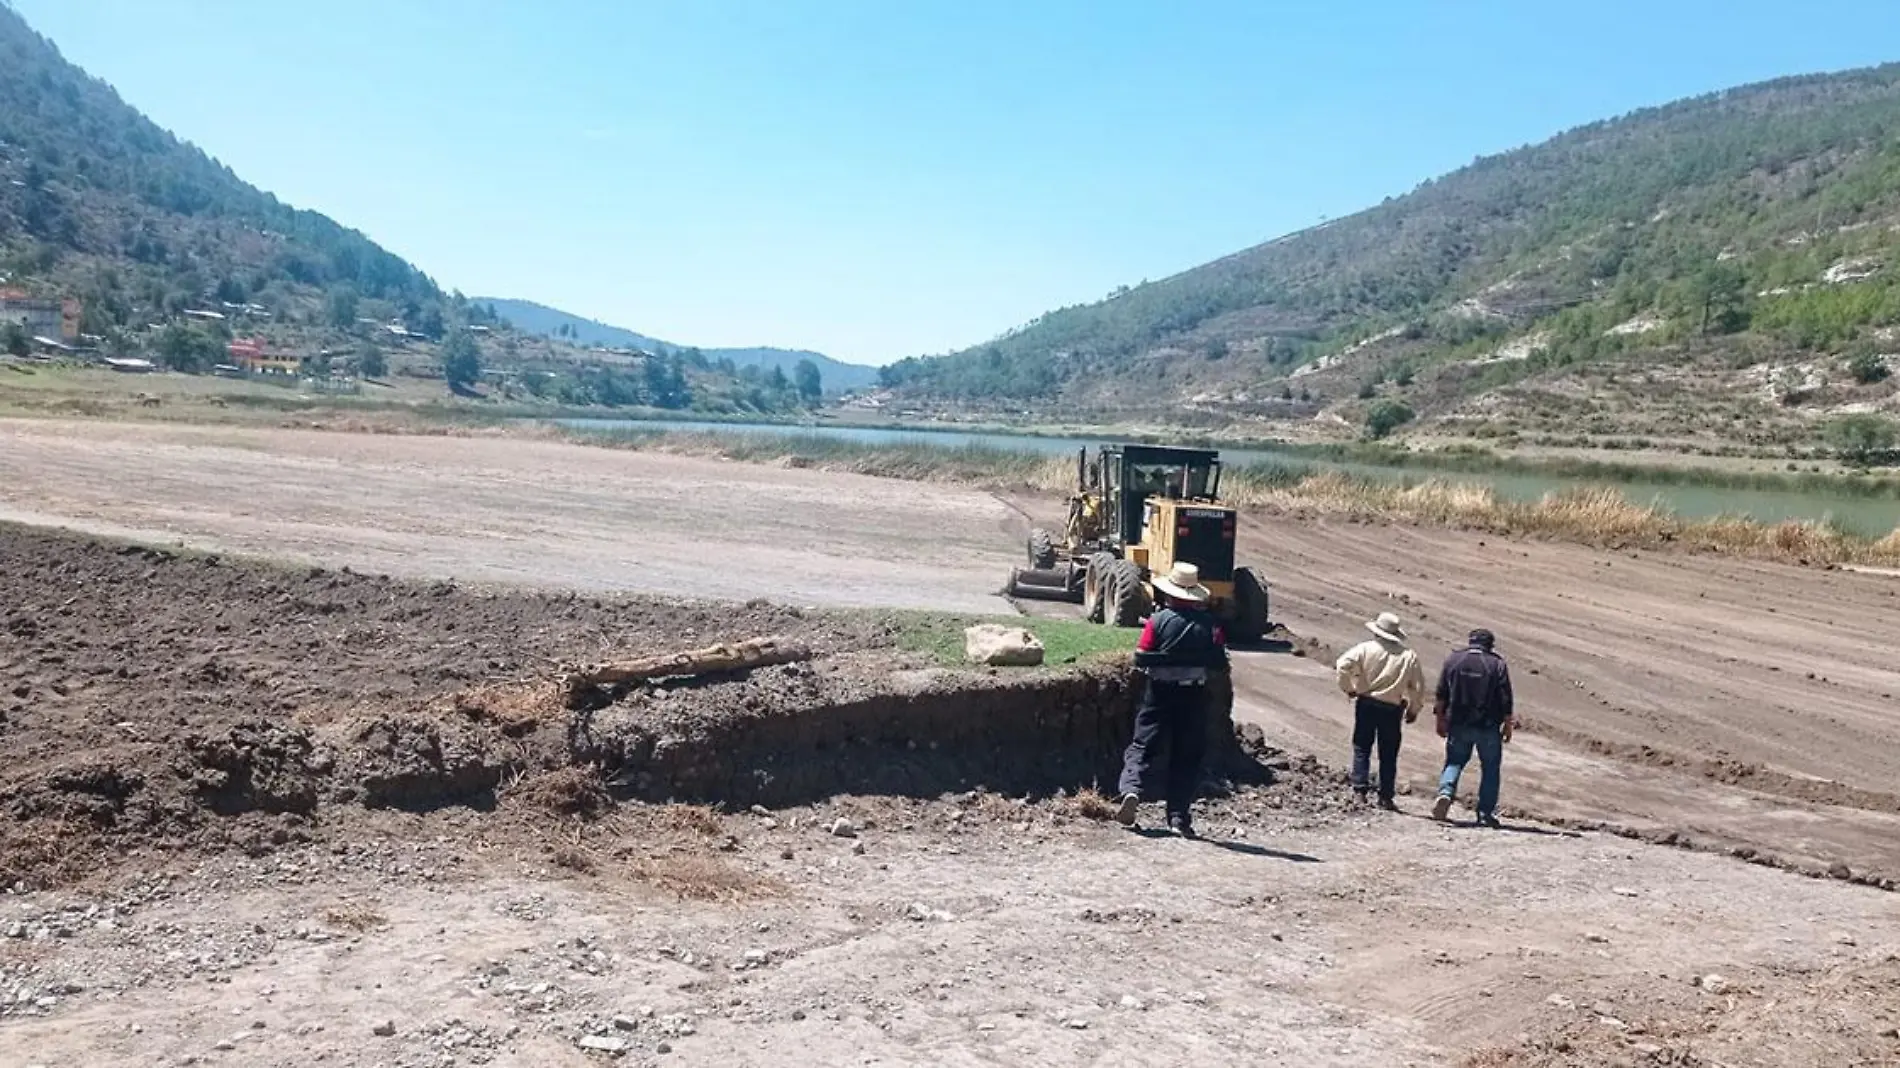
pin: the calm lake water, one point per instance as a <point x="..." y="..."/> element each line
<point x="1872" y="516"/>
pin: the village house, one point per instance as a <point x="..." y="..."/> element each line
<point x="54" y="320"/>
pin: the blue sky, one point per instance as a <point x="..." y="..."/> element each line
<point x="882" y="178"/>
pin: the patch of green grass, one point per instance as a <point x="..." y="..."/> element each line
<point x="1064" y="641"/>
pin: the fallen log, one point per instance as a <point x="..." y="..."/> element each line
<point x="730" y="656"/>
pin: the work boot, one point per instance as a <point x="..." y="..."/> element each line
<point x="1441" y="808"/>
<point x="1182" y="825"/>
<point x="1131" y="804"/>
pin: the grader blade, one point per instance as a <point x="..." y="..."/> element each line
<point x="1045" y="583"/>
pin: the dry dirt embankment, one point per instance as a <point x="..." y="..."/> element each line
<point x="154" y="699"/>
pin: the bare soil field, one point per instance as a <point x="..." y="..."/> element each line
<point x="295" y="814"/>
<point x="1733" y="704"/>
<point x="506" y="509"/>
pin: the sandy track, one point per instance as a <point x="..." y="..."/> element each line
<point x="505" y="510"/>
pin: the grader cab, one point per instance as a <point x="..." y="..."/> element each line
<point x="1136" y="510"/>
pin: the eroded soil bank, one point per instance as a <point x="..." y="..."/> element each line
<point x="170" y="701"/>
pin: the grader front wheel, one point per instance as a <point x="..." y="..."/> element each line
<point x="1042" y="550"/>
<point x="1095" y="589"/>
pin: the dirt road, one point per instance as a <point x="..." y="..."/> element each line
<point x="959" y="938"/>
<point x="962" y="929"/>
<point x="1726" y="702"/>
<point x="496" y="509"/>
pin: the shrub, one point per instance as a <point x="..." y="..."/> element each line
<point x="461" y="360"/>
<point x="1867" y="368"/>
<point x="188" y="349"/>
<point x="14" y="340"/>
<point x="371" y="363"/>
<point x="1387" y="416"/>
<point x="1861" y="439"/>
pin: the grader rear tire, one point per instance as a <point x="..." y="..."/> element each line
<point x="1042" y="550"/>
<point x="1129" y="600"/>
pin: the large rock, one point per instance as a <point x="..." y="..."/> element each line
<point x="1000" y="646"/>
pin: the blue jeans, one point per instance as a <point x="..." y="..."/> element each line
<point x="1489" y="742"/>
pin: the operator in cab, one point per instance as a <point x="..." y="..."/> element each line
<point x="1181" y="647"/>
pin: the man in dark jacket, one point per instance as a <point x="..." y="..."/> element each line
<point x="1475" y="712"/>
<point x="1180" y="646"/>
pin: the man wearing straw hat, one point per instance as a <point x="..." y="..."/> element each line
<point x="1383" y="678"/>
<point x="1178" y="649"/>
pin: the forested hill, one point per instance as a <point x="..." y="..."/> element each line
<point x="1759" y="221"/>
<point x="552" y="322"/>
<point x="173" y="258"/>
<point x="99" y="202"/>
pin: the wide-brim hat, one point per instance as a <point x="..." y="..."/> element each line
<point x="1183" y="582"/>
<point x="1387" y="627"/>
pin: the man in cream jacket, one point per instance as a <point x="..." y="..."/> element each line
<point x="1386" y="684"/>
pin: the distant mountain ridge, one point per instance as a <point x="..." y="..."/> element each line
<point x="540" y="319"/>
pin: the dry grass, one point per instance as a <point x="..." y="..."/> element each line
<point x="573" y="859"/>
<point x="690" y="877"/>
<point x="353" y="916"/>
<point x="685" y="851"/>
<point x="1887" y="548"/>
<point x="690" y="819"/>
<point x="513" y="708"/>
<point x="571" y="791"/>
<point x="988" y="468"/>
<point x="1592" y="516"/>
<point x="46" y="851"/>
<point x="1088" y="804"/>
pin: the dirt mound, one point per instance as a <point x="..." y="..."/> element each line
<point x="256" y="767"/>
<point x="150" y="698"/>
<point x="179" y="702"/>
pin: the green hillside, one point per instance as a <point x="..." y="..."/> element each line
<point x="100" y="204"/>
<point x="96" y="201"/>
<point x="1738" y="250"/>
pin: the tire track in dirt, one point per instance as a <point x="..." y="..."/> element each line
<point x="1757" y="689"/>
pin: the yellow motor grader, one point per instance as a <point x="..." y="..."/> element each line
<point x="1136" y="510"/>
